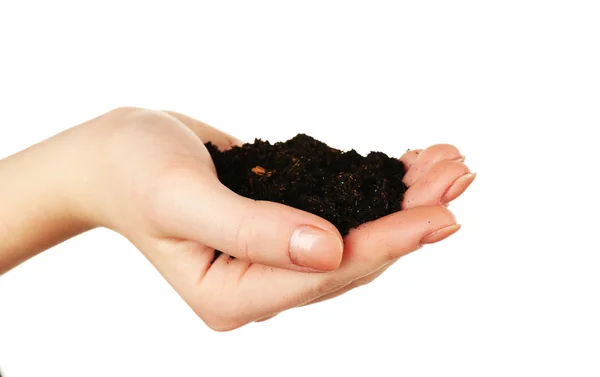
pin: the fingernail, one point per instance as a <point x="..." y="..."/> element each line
<point x="440" y="234"/>
<point x="315" y="248"/>
<point x="462" y="158"/>
<point x="458" y="187"/>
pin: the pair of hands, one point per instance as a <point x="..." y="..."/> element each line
<point x="159" y="189"/>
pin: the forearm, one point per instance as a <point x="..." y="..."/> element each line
<point x="38" y="209"/>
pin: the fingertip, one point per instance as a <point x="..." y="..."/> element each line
<point x="316" y="248"/>
<point x="440" y="185"/>
<point x="440" y="234"/>
<point x="428" y="157"/>
<point x="398" y="234"/>
<point x="458" y="187"/>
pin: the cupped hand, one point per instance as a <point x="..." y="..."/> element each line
<point x="163" y="194"/>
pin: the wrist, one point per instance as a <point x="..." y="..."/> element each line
<point x="75" y="160"/>
<point x="39" y="199"/>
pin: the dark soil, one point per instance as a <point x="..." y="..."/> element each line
<point x="343" y="187"/>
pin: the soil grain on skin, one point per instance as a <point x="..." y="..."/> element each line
<point x="343" y="187"/>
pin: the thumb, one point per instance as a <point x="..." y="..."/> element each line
<point x="201" y="209"/>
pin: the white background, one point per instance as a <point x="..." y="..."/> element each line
<point x="514" y="84"/>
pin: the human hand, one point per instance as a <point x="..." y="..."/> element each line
<point x="161" y="192"/>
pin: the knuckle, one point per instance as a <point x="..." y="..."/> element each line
<point x="151" y="116"/>
<point x="127" y="111"/>
<point x="123" y="119"/>
<point x="124" y="110"/>
<point x="122" y="125"/>
<point x="329" y="283"/>
<point x="363" y="281"/>
<point x="246" y="234"/>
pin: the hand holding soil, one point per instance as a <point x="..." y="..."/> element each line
<point x="241" y="231"/>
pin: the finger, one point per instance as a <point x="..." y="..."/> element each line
<point x="198" y="207"/>
<point x="458" y="187"/>
<point x="427" y="158"/>
<point x="410" y="157"/>
<point x="444" y="182"/>
<point x="446" y="228"/>
<point x="354" y="284"/>
<point x="207" y="133"/>
<point x="260" y="292"/>
<point x="266" y="318"/>
<point x="393" y="236"/>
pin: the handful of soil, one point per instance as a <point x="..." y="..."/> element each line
<point x="344" y="188"/>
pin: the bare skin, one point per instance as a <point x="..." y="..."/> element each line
<point x="147" y="175"/>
